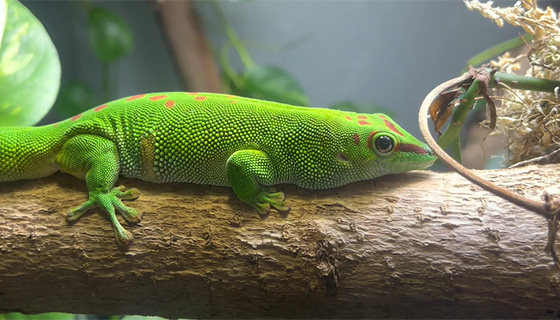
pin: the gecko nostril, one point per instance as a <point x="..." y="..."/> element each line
<point x="342" y="157"/>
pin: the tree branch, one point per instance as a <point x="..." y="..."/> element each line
<point x="189" y="46"/>
<point x="420" y="244"/>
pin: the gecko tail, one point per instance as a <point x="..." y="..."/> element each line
<point x="28" y="152"/>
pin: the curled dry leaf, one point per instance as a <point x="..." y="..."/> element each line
<point x="442" y="107"/>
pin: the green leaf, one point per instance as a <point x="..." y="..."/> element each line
<point x="29" y="67"/>
<point x="52" y="316"/>
<point x="42" y="316"/>
<point x="74" y="98"/>
<point x="363" y="108"/>
<point x="15" y="316"/>
<point x="109" y="35"/>
<point x="3" y="14"/>
<point x="271" y="83"/>
<point x="496" y="50"/>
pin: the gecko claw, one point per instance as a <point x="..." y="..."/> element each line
<point x="123" y="238"/>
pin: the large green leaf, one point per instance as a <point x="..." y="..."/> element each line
<point x="274" y="84"/>
<point x="109" y="35"/>
<point x="75" y="97"/>
<point x="42" y="316"/>
<point x="3" y="14"/>
<point x="29" y="66"/>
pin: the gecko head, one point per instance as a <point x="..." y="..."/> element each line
<point x="379" y="144"/>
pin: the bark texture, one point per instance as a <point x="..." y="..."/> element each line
<point x="417" y="245"/>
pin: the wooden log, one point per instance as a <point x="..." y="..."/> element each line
<point x="421" y="244"/>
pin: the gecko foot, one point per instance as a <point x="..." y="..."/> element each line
<point x="109" y="202"/>
<point x="264" y="200"/>
<point x="130" y="194"/>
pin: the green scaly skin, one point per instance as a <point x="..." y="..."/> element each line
<point x="206" y="138"/>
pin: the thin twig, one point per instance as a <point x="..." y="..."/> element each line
<point x="537" y="159"/>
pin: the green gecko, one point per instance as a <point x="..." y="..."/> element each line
<point x="208" y="138"/>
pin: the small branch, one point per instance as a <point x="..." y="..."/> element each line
<point x="188" y="44"/>
<point x="546" y="157"/>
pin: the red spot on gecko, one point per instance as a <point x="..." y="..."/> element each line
<point x="135" y="97"/>
<point x="101" y="107"/>
<point x="55" y="125"/>
<point x="348" y="118"/>
<point x="76" y="117"/>
<point x="361" y="117"/>
<point x="363" y="123"/>
<point x="169" y="104"/>
<point x="391" y="126"/>
<point x="192" y="93"/>
<point x="156" y="98"/>
<point x="230" y="96"/>
<point x="233" y="101"/>
<point x="201" y="98"/>
<point x="356" y="138"/>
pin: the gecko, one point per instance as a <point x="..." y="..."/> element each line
<point x="208" y="138"/>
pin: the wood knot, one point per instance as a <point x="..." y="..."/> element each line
<point x="328" y="266"/>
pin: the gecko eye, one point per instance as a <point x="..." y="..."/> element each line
<point x="384" y="144"/>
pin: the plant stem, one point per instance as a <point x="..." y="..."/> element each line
<point x="523" y="83"/>
<point x="459" y="115"/>
<point x="228" y="70"/>
<point x="233" y="37"/>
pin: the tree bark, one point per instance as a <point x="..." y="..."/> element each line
<point x="421" y="244"/>
<point x="189" y="46"/>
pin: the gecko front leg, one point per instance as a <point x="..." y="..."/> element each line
<point x="249" y="172"/>
<point x="95" y="159"/>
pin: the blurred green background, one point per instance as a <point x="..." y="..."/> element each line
<point x="388" y="54"/>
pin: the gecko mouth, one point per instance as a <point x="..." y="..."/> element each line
<point x="424" y="153"/>
<point x="409" y="147"/>
<point x="414" y="157"/>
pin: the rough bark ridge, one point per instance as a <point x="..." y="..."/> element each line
<point x="414" y="245"/>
